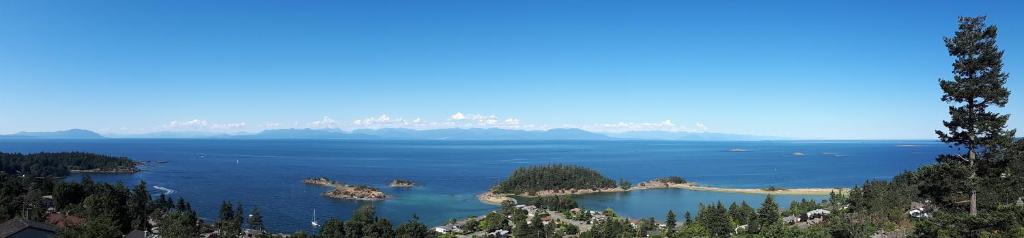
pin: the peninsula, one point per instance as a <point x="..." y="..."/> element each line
<point x="347" y="191"/>
<point x="561" y="180"/>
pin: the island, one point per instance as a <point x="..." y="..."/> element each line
<point x="400" y="183"/>
<point x="561" y="180"/>
<point x="347" y="191"/>
<point x="59" y="164"/>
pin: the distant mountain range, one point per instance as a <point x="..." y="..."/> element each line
<point x="690" y="136"/>
<point x="67" y="134"/>
<point x="410" y="134"/>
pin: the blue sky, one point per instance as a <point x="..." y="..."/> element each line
<point x="814" y="69"/>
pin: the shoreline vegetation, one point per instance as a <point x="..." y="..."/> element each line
<point x="347" y="191"/>
<point x="60" y="164"/>
<point x="522" y="183"/>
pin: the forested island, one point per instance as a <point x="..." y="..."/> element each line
<point x="59" y="164"/>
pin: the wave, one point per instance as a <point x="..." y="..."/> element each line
<point x="166" y="191"/>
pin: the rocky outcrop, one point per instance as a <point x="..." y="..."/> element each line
<point x="398" y="183"/>
<point x="346" y="191"/>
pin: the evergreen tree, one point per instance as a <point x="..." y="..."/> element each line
<point x="333" y="228"/>
<point x="138" y="207"/>
<point x="256" y="221"/>
<point x="414" y="229"/>
<point x="767" y="216"/>
<point x="686" y="218"/>
<point x="715" y="219"/>
<point x="239" y="219"/>
<point x="670" y="221"/>
<point x="227" y="222"/>
<point x="978" y="83"/>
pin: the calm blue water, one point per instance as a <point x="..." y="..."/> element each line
<point x="268" y="173"/>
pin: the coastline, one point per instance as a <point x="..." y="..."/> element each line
<point x="492" y="198"/>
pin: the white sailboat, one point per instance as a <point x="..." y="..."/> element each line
<point x="314" y="219"/>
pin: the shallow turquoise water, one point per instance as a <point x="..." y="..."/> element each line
<point x="268" y="173"/>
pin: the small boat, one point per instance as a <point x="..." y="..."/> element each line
<point x="314" y="223"/>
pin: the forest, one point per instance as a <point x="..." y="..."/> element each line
<point x="59" y="164"/>
<point x="532" y="179"/>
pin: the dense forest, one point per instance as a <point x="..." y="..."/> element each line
<point x="46" y="164"/>
<point x="101" y="210"/>
<point x="553" y="177"/>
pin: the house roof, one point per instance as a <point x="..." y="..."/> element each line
<point x="136" y="234"/>
<point x="18" y="224"/>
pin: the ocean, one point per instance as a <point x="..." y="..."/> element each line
<point x="268" y="173"/>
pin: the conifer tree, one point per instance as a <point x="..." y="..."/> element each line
<point x="977" y="84"/>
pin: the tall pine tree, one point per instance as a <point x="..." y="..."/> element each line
<point x="978" y="83"/>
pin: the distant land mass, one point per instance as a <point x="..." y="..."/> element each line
<point x="66" y="134"/>
<point x="411" y="134"/>
<point x="481" y="134"/>
<point x="690" y="136"/>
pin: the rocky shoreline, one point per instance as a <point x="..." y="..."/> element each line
<point x="116" y="170"/>
<point x="346" y="191"/>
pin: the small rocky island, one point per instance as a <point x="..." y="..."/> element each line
<point x="400" y="183"/>
<point x="347" y="191"/>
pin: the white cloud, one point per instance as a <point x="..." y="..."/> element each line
<point x="457" y="116"/>
<point x="324" y="123"/>
<point x="202" y="125"/>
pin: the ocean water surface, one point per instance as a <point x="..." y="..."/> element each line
<point x="268" y="173"/>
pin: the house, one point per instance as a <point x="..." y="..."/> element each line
<point x="740" y="228"/>
<point x="24" y="228"/>
<point x="499" y="233"/>
<point x="447" y="228"/>
<point x="918" y="210"/>
<point x="136" y="234"/>
<point x="791" y="219"/>
<point x="818" y="213"/>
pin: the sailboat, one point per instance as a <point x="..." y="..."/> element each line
<point x="314" y="219"/>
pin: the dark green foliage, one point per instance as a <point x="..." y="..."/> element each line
<point x="414" y="229"/>
<point x="670" y="221"/>
<point x="494" y="221"/>
<point x="610" y="228"/>
<point x="883" y="202"/>
<point x="1003" y="222"/>
<point x="554" y="203"/>
<point x="227" y="224"/>
<point x="671" y="179"/>
<point x="768" y="215"/>
<point x="139" y="208"/>
<point x="256" y="221"/>
<point x="715" y="219"/>
<point x="741" y="214"/>
<point x="365" y="223"/>
<point x="333" y="228"/>
<point x="978" y="83"/>
<point x="59" y="164"/>
<point x="646" y="226"/>
<point x="179" y="223"/>
<point x="553" y="177"/>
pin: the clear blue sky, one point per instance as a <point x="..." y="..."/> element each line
<point x="815" y="69"/>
